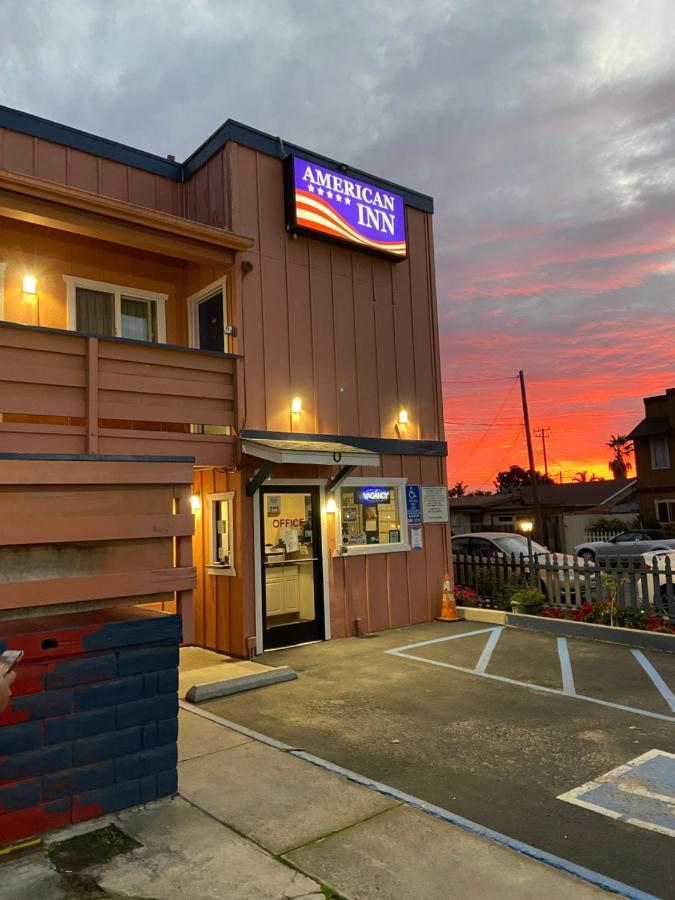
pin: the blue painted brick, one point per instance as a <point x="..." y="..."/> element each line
<point x="150" y="736"/>
<point x="167" y="731"/>
<point x="20" y="795"/>
<point x="108" y="693"/>
<point x="167" y="783"/>
<point x="150" y="684"/>
<point x="165" y="706"/>
<point x="109" y="799"/>
<point x="45" y="704"/>
<point x="17" y="738"/>
<point x="155" y="630"/>
<point x="79" y="725"/>
<point x="148" y="762"/>
<point x="81" y="671"/>
<point x="167" y="681"/>
<point x="35" y="762"/>
<point x="107" y="746"/>
<point x="78" y="780"/>
<point x="147" y="659"/>
<point x="148" y="788"/>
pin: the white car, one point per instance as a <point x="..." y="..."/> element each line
<point x="627" y="544"/>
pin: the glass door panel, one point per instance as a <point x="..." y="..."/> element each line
<point x="292" y="566"/>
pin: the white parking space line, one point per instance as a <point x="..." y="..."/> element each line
<point x="402" y="653"/>
<point x="658" y="682"/>
<point x="566" y="667"/>
<point x="484" y="660"/>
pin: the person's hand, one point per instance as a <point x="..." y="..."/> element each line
<point x="6" y="683"/>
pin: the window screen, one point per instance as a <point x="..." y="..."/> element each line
<point x="95" y="312"/>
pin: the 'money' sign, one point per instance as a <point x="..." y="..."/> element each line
<point x="329" y="204"/>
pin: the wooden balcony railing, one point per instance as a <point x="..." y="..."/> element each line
<point x="63" y="392"/>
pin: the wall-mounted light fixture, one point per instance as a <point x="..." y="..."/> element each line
<point x="331" y="505"/>
<point x="526" y="526"/>
<point x="29" y="287"/>
<point x="403" y="416"/>
<point x="195" y="503"/>
<point x="296" y="405"/>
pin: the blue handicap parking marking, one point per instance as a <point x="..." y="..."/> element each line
<point x="641" y="792"/>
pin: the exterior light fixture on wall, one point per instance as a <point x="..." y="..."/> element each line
<point x="403" y="416"/>
<point x="195" y="503"/>
<point x="526" y="526"/>
<point x="296" y="405"/>
<point x="29" y="286"/>
<point x="331" y="505"/>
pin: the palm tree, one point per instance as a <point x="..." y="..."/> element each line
<point x="458" y="490"/>
<point x="619" y="465"/>
<point x="581" y="476"/>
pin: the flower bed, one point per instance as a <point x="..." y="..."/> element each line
<point x="606" y="613"/>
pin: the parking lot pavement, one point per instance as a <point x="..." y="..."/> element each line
<point x="496" y="725"/>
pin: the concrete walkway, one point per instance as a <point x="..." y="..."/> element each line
<point x="252" y="821"/>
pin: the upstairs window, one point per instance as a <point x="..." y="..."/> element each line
<point x="659" y="453"/>
<point x="111" y="310"/>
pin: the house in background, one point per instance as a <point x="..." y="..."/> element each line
<point x="654" y="440"/>
<point x="568" y="510"/>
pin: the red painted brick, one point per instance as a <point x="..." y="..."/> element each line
<point x="20" y="794"/>
<point x="29" y="679"/>
<point x="34" y="820"/>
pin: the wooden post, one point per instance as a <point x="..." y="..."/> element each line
<point x="185" y="600"/>
<point x="92" y="395"/>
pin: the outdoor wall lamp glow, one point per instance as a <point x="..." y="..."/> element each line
<point x="195" y="503"/>
<point x="29" y="287"/>
<point x="526" y="526"/>
<point x="296" y="405"/>
<point x="403" y="417"/>
<point x="331" y="505"/>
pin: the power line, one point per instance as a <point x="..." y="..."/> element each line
<point x="475" y="380"/>
<point x="507" y="452"/>
<point x="485" y="432"/>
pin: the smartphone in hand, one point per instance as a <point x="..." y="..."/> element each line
<point x="8" y="659"/>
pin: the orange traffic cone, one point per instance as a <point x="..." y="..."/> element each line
<point x="448" y="606"/>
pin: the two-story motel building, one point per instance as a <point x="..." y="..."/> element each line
<point x="219" y="388"/>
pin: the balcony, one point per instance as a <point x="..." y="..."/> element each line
<point x="64" y="392"/>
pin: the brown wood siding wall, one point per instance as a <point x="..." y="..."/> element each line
<point x="29" y="155"/>
<point x="353" y="335"/>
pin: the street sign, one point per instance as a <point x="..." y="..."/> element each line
<point x="413" y="504"/>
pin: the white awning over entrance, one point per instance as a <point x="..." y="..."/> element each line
<point x="317" y="453"/>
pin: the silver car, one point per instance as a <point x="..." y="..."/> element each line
<point x="627" y="544"/>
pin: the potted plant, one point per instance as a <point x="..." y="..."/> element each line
<point x="528" y="600"/>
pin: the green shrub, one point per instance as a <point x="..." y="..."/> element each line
<point x="527" y="596"/>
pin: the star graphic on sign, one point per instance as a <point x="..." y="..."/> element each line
<point x="347" y="201"/>
<point x="338" y="198"/>
<point x="319" y="192"/>
<point x="329" y="194"/>
<point x="310" y="188"/>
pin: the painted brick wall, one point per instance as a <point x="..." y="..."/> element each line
<point x="92" y="725"/>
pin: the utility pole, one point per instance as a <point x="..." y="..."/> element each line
<point x="530" y="455"/>
<point x="543" y="433"/>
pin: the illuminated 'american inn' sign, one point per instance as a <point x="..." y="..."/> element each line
<point x="330" y="204"/>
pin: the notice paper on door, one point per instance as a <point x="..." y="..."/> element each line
<point x="290" y="539"/>
<point x="416" y="537"/>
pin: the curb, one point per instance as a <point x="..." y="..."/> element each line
<point x="632" y="637"/>
<point x="200" y="693"/>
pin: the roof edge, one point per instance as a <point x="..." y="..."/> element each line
<point x="230" y="130"/>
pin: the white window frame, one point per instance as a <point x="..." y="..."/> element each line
<point x="212" y="567"/>
<point x="366" y="549"/>
<point x="653" y="454"/>
<point x="193" y="302"/>
<point x="118" y="291"/>
<point x="671" y="510"/>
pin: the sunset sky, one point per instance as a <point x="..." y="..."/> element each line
<point x="544" y="130"/>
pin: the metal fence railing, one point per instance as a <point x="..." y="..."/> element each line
<point x="635" y="583"/>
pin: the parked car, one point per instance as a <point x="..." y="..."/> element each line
<point x="501" y="546"/>
<point x="626" y="544"/>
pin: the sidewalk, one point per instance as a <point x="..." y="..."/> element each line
<point x="254" y="822"/>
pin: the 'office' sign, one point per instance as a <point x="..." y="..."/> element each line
<point x="329" y="204"/>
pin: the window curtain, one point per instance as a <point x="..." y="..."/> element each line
<point x="95" y="312"/>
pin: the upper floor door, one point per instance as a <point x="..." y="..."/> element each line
<point x="211" y="323"/>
